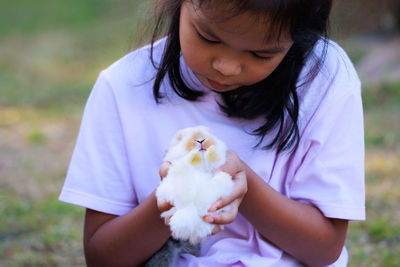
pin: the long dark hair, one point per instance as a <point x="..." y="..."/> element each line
<point x="275" y="98"/>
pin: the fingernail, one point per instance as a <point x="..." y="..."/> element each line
<point x="208" y="219"/>
<point x="212" y="209"/>
<point x="215" y="206"/>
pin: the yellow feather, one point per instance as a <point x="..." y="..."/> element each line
<point x="196" y="159"/>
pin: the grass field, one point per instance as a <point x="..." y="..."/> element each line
<point x="50" y="55"/>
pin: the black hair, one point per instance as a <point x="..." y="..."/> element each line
<point x="275" y="98"/>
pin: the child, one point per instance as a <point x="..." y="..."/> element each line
<point x="286" y="101"/>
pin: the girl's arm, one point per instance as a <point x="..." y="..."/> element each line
<point x="126" y="240"/>
<point x="297" y="228"/>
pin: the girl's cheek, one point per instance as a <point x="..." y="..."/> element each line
<point x="193" y="62"/>
<point x="197" y="57"/>
<point x="255" y="75"/>
<point x="260" y="72"/>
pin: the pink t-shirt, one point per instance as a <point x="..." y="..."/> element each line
<point x="124" y="134"/>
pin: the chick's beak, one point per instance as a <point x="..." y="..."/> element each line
<point x="201" y="143"/>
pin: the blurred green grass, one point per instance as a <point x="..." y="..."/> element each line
<point x="50" y="55"/>
<point x="50" y="52"/>
<point x="29" y="18"/>
<point x="382" y="110"/>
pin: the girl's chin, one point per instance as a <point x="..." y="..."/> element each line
<point x="217" y="87"/>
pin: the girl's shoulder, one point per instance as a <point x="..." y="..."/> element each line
<point x="328" y="72"/>
<point x="130" y="79"/>
<point x="338" y="59"/>
<point x="334" y="84"/>
<point x="136" y="67"/>
<point x="335" y="64"/>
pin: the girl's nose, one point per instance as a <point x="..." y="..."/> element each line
<point x="227" y="67"/>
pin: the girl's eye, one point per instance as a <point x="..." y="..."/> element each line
<point x="207" y="40"/>
<point x="261" y="57"/>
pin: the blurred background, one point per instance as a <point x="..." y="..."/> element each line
<point x="50" y="55"/>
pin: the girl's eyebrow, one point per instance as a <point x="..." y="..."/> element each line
<point x="207" y="30"/>
<point x="273" y="50"/>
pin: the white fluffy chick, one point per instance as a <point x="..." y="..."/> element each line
<point x="191" y="186"/>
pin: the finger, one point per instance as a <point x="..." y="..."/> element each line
<point x="166" y="221"/>
<point x="231" y="165"/>
<point x="164" y="206"/>
<point x="216" y="229"/>
<point x="238" y="191"/>
<point x="163" y="171"/>
<point x="225" y="216"/>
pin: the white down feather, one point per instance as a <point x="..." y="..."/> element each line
<point x="190" y="185"/>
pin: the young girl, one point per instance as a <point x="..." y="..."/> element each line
<point x="286" y="101"/>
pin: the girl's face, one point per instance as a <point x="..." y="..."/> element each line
<point x="228" y="53"/>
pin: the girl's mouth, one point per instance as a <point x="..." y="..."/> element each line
<point x="216" y="85"/>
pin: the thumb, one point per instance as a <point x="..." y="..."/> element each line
<point x="163" y="171"/>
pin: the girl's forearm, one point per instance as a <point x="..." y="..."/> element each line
<point x="297" y="228"/>
<point x="126" y="240"/>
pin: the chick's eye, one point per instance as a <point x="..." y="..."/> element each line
<point x="201" y="37"/>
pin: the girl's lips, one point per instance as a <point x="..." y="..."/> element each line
<point x="217" y="85"/>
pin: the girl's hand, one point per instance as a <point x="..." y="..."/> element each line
<point x="165" y="205"/>
<point x="235" y="167"/>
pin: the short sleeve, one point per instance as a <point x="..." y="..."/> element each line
<point x="329" y="162"/>
<point x="99" y="176"/>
